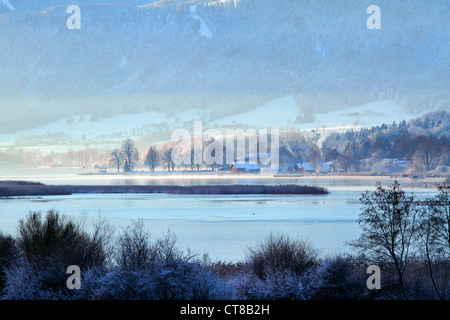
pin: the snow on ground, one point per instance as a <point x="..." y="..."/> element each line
<point x="366" y="115"/>
<point x="283" y="111"/>
<point x="105" y="128"/>
<point x="275" y="114"/>
<point x="7" y="4"/>
<point x="279" y="113"/>
<point x="205" y="30"/>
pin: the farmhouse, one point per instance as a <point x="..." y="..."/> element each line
<point x="102" y="170"/>
<point x="305" y="167"/>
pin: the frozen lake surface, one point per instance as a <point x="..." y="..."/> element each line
<point x="221" y="225"/>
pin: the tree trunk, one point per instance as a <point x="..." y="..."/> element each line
<point x="430" y="268"/>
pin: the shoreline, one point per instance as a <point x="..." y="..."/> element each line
<point x="162" y="176"/>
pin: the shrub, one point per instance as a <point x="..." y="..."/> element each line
<point x="335" y="278"/>
<point x="8" y="255"/>
<point x="189" y="281"/>
<point x="134" y="250"/>
<point x="279" y="253"/>
<point x="49" y="246"/>
<point x="155" y="271"/>
<point x="280" y="285"/>
<point x="59" y="236"/>
<point x="24" y="282"/>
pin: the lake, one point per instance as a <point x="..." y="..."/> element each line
<point x="222" y="226"/>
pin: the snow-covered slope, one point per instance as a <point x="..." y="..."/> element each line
<point x="7" y="4"/>
<point x="114" y="128"/>
<point x="369" y="114"/>
<point x="204" y="30"/>
<point x="280" y="113"/>
<point x="275" y="114"/>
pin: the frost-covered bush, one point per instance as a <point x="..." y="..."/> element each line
<point x="157" y="270"/>
<point x="8" y="254"/>
<point x="46" y="248"/>
<point x="24" y="282"/>
<point x="91" y="281"/>
<point x="59" y="236"/>
<point x="119" y="285"/>
<point x="280" y="285"/>
<point x="279" y="253"/>
<point x="155" y="282"/>
<point x="334" y="278"/>
<point x="142" y="269"/>
<point x="188" y="281"/>
<point x="134" y="250"/>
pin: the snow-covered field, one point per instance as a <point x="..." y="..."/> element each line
<point x="121" y="125"/>
<point x="278" y="113"/>
<point x="283" y="112"/>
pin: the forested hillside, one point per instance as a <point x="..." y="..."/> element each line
<point x="222" y="56"/>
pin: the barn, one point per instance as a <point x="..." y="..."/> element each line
<point x="305" y="167"/>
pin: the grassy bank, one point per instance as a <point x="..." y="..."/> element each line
<point x="25" y="188"/>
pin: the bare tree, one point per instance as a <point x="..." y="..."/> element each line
<point x="426" y="153"/>
<point x="166" y="157"/>
<point x="389" y="225"/>
<point x="152" y="158"/>
<point x="117" y="158"/>
<point x="434" y="234"/>
<point x="131" y="154"/>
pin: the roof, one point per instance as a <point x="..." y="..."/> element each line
<point x="306" y="166"/>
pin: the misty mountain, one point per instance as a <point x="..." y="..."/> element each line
<point x="223" y="56"/>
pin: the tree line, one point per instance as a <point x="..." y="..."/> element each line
<point x="352" y="151"/>
<point x="127" y="156"/>
<point x="422" y="142"/>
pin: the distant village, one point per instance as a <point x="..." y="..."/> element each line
<point x="250" y="165"/>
